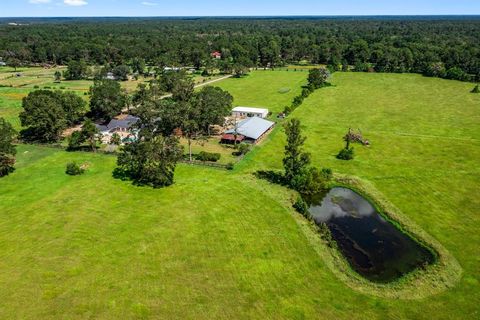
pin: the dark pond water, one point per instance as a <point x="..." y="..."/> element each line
<point x="374" y="247"/>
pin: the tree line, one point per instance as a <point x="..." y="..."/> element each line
<point x="447" y="48"/>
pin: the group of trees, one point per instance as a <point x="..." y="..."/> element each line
<point x="88" y="134"/>
<point x="447" y="47"/>
<point x="317" y="78"/>
<point x="79" y="69"/>
<point x="151" y="159"/>
<point x="46" y="114"/>
<point x="107" y="99"/>
<point x="7" y="148"/>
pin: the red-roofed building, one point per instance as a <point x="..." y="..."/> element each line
<point x="230" y="138"/>
<point x="216" y="55"/>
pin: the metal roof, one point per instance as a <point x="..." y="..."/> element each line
<point x="252" y="128"/>
<point x="126" y="123"/>
<point x="250" y="110"/>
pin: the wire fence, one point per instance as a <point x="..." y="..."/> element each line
<point x="115" y="153"/>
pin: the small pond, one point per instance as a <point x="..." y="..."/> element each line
<point x="374" y="247"/>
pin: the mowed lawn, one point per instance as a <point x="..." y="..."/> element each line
<point x="266" y="89"/>
<point x="11" y="104"/>
<point x="223" y="245"/>
<point x="215" y="245"/>
<point x="424" y="158"/>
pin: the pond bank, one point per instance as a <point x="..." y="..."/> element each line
<point x="435" y="278"/>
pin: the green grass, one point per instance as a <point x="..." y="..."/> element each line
<point x="267" y="89"/>
<point x="220" y="244"/>
<point x="11" y="104"/>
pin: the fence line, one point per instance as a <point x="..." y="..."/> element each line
<point x="205" y="164"/>
<point x="115" y="153"/>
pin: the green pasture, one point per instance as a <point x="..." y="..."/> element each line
<point x="224" y="245"/>
<point x="265" y="89"/>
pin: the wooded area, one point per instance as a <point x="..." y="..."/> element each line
<point x="447" y="48"/>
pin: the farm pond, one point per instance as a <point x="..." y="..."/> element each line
<point x="373" y="246"/>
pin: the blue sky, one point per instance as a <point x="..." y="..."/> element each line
<point x="41" y="8"/>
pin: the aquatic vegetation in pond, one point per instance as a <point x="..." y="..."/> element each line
<point x="373" y="246"/>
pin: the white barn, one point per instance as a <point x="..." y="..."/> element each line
<point x="246" y="112"/>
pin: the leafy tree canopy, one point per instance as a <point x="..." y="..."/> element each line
<point x="151" y="162"/>
<point x="107" y="99"/>
<point x="43" y="115"/>
<point x="7" y="136"/>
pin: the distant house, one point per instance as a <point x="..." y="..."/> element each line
<point x="2" y="64"/>
<point x="250" y="130"/>
<point x="243" y="112"/>
<point x="122" y="127"/>
<point x="110" y="76"/>
<point x="216" y="55"/>
<point x="171" y="69"/>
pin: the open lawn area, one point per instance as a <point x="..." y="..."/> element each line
<point x="224" y="245"/>
<point x="11" y="104"/>
<point x="272" y="90"/>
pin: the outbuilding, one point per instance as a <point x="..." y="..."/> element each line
<point x="247" y="112"/>
<point x="250" y="130"/>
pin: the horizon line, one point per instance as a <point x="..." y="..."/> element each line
<point x="252" y="16"/>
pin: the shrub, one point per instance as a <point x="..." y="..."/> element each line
<point x="301" y="206"/>
<point x="207" y="156"/>
<point x="243" y="149"/>
<point x="297" y="101"/>
<point x="47" y="87"/>
<point x="346" y="154"/>
<point x="73" y="169"/>
<point x="309" y="181"/>
<point x="36" y="87"/>
<point x="456" y="73"/>
<point x="230" y="166"/>
<point x="287" y="110"/>
<point x="75" y="141"/>
<point x="307" y="91"/>
<point x="62" y="88"/>
<point x="327" y="174"/>
<point x="476" y="89"/>
<point x="7" y="162"/>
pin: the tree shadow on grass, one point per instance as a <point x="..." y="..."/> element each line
<point x="271" y="176"/>
<point x="120" y="174"/>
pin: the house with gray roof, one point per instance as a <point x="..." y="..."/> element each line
<point x="250" y="130"/>
<point x="122" y="127"/>
<point x="115" y="125"/>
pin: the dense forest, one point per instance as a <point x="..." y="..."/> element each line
<point x="447" y="48"/>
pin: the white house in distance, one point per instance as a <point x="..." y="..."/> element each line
<point x="247" y="112"/>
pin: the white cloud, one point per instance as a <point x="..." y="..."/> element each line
<point x="39" y="1"/>
<point x="75" y="3"/>
<point x="146" y="3"/>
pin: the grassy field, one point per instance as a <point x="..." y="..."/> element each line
<point x="266" y="89"/>
<point x="223" y="245"/>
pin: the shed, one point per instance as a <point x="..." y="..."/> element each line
<point x="253" y="129"/>
<point x="250" y="112"/>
